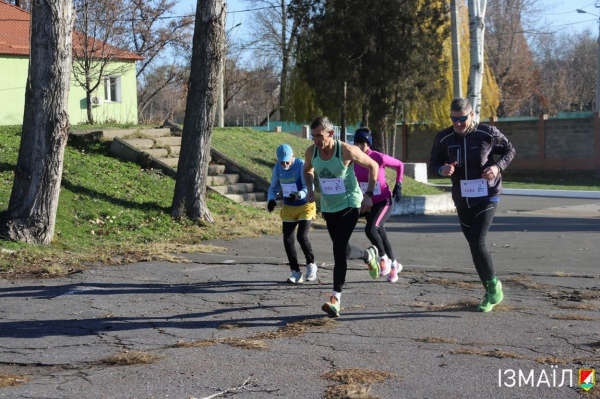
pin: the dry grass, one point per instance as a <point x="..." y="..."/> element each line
<point x="552" y="360"/>
<point x="298" y="328"/>
<point x="509" y="308"/>
<point x="577" y="306"/>
<point x="349" y="391"/>
<point x="129" y="358"/>
<point x="461" y="304"/>
<point x="358" y="376"/>
<point x="355" y="383"/>
<point x="232" y="326"/>
<point x="495" y="353"/>
<point x="243" y="343"/>
<point x="575" y="296"/>
<point x="196" y="344"/>
<point x="560" y="273"/>
<point x="9" y="380"/>
<point x="255" y="341"/>
<point x="437" y="340"/>
<point x="573" y="317"/>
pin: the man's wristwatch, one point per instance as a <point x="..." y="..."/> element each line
<point x="369" y="193"/>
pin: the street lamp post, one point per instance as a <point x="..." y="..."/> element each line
<point x="597" y="104"/>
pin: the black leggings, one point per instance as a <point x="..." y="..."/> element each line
<point x="374" y="229"/>
<point x="290" y="247"/>
<point x="475" y="223"/>
<point x="340" y="226"/>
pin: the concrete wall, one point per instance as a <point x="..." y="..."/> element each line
<point x="13" y="77"/>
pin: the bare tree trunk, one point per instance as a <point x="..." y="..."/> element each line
<point x="365" y="114"/>
<point x="343" y="127"/>
<point x="207" y="60"/>
<point x="31" y="213"/>
<point x="88" y="99"/>
<point x="476" y="31"/>
<point x="286" y="52"/>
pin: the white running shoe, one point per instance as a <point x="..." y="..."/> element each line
<point x="295" y="278"/>
<point x="311" y="272"/>
<point x="385" y="265"/>
<point x="396" y="268"/>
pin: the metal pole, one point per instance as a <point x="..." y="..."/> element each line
<point x="456" y="69"/>
<point x="597" y="107"/>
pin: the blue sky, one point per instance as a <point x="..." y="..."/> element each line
<point x="558" y="15"/>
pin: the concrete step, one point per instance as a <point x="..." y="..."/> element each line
<point x="215" y="170"/>
<point x="140" y="143"/>
<point x="110" y="134"/>
<point x="157" y="152"/>
<point x="222" y="179"/>
<point x="172" y="162"/>
<point x="170" y="141"/>
<point x="176" y="149"/>
<point x="238" y="188"/>
<point x="247" y="197"/>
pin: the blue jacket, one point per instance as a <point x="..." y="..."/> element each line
<point x="295" y="175"/>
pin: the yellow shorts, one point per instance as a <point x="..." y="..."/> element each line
<point x="307" y="211"/>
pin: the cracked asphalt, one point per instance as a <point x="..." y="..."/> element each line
<point x="55" y="333"/>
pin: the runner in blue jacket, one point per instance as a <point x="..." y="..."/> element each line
<point x="288" y="177"/>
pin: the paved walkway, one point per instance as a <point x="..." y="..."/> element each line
<point x="226" y="321"/>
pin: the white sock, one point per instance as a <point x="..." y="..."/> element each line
<point x="385" y="257"/>
<point x="337" y="295"/>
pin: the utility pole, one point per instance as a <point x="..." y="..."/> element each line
<point x="456" y="69"/>
<point x="597" y="104"/>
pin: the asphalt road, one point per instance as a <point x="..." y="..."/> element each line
<point x="256" y="337"/>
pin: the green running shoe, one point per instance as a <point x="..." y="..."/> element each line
<point x="373" y="262"/>
<point x="493" y="295"/>
<point x="332" y="308"/>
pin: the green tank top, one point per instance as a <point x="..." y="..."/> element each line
<point x="339" y="187"/>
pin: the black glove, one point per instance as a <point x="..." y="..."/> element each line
<point x="294" y="196"/>
<point x="398" y="191"/>
<point x="271" y="205"/>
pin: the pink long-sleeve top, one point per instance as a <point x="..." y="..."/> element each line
<point x="384" y="161"/>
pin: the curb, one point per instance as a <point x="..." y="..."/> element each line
<point x="424" y="205"/>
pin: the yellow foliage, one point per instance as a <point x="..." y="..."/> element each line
<point x="436" y="111"/>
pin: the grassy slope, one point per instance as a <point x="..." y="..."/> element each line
<point x="256" y="151"/>
<point x="114" y="211"/>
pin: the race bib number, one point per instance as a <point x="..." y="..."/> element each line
<point x="376" y="190"/>
<point x="474" y="188"/>
<point x="288" y="188"/>
<point x="332" y="186"/>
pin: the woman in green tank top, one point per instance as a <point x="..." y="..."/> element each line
<point x="341" y="200"/>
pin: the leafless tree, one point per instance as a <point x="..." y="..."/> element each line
<point x="508" y="54"/>
<point x="151" y="37"/>
<point x="31" y="213"/>
<point x="567" y="65"/>
<point x="273" y="35"/>
<point x="208" y="55"/>
<point x="99" y="42"/>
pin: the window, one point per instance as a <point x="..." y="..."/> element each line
<point x="112" y="89"/>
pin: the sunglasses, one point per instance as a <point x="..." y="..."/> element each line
<point x="459" y="118"/>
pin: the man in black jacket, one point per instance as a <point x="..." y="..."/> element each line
<point x="473" y="155"/>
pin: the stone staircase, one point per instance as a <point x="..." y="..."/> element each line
<point x="159" y="149"/>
